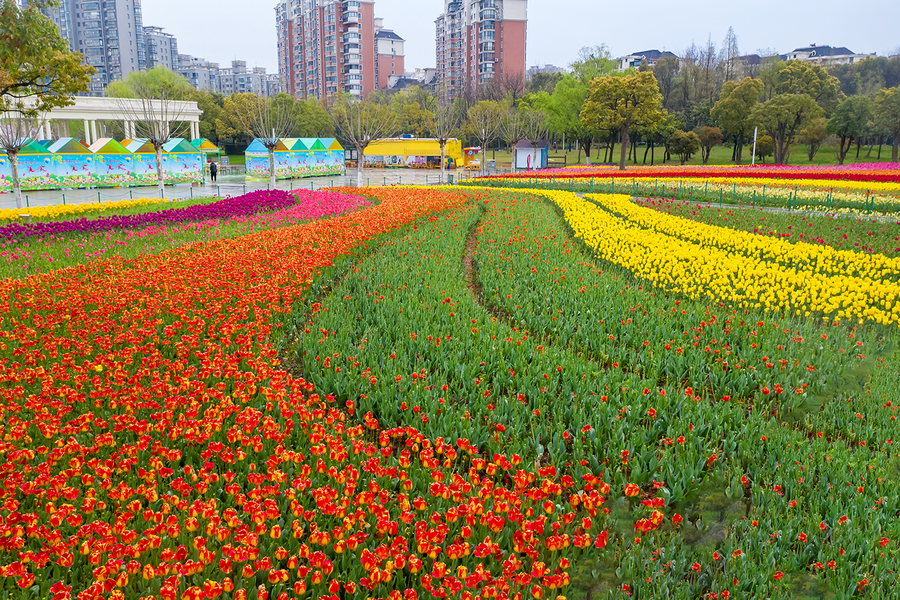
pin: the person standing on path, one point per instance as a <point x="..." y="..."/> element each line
<point x="213" y="170"/>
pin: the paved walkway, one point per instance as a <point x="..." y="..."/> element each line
<point x="232" y="185"/>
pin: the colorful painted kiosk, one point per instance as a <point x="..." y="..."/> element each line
<point x="296" y="157"/>
<point x="113" y="163"/>
<point x="69" y="163"/>
<point x="413" y="153"/>
<point x="256" y="160"/>
<point x="205" y="146"/>
<point x="35" y="164"/>
<point x="182" y="162"/>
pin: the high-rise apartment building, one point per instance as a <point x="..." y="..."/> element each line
<point x="110" y="34"/>
<point x="389" y="56"/>
<point x="480" y="43"/>
<point x="201" y="73"/>
<point x="162" y="48"/>
<point x="328" y="47"/>
<point x="241" y="80"/>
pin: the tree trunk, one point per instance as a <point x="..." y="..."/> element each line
<point x="734" y="151"/>
<point x="624" y="148"/>
<point x="880" y="144"/>
<point x="17" y="185"/>
<point x="651" y="154"/>
<point x="858" y="143"/>
<point x="895" y="147"/>
<point x="740" y="150"/>
<point x="160" y="177"/>
<point x="443" y="171"/>
<point x="272" y="168"/>
<point x="360" y="159"/>
<point x="587" y="148"/>
<point x="483" y="144"/>
<point x="646" y="150"/>
<point x="842" y="154"/>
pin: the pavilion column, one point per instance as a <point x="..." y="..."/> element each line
<point x="94" y="136"/>
<point x="87" y="132"/>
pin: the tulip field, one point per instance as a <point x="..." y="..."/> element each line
<point x="466" y="393"/>
<point x="858" y="188"/>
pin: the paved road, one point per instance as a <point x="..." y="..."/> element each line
<point x="231" y="185"/>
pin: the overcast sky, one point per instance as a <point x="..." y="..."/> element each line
<point x="223" y="30"/>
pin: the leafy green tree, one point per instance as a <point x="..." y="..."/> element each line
<point x="543" y="82"/>
<point x="783" y="117"/>
<point x="37" y="74"/>
<point x="734" y="108"/>
<point x="231" y="121"/>
<point x="849" y="122"/>
<point x="312" y="119"/>
<point x="813" y="135"/>
<point x="565" y="106"/>
<point x="887" y="115"/>
<point x="623" y="102"/>
<point x="764" y="147"/>
<point x="663" y="135"/>
<point x="684" y="144"/>
<point x="593" y="62"/>
<point x="801" y="77"/>
<point x="413" y="120"/>
<point x="666" y="70"/>
<point x="211" y="103"/>
<point x="709" y="137"/>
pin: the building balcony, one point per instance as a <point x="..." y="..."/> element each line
<point x="350" y="17"/>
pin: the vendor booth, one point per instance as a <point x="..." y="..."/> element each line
<point x="413" y="153"/>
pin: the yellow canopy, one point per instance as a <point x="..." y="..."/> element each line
<point x="414" y="147"/>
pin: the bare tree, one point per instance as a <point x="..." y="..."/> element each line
<point x="268" y="120"/>
<point x="512" y="127"/>
<point x="443" y="123"/>
<point x="535" y="126"/>
<point x="16" y="131"/>
<point x="157" y="110"/>
<point x="361" y="123"/>
<point x="730" y="57"/>
<point x="484" y="122"/>
<point x="513" y="84"/>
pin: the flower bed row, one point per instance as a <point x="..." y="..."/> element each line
<point x="248" y="204"/>
<point x="873" y="173"/>
<point x="61" y="211"/>
<point x="19" y="258"/>
<point x="706" y="271"/>
<point x="798" y="256"/>
<point x="840" y="232"/>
